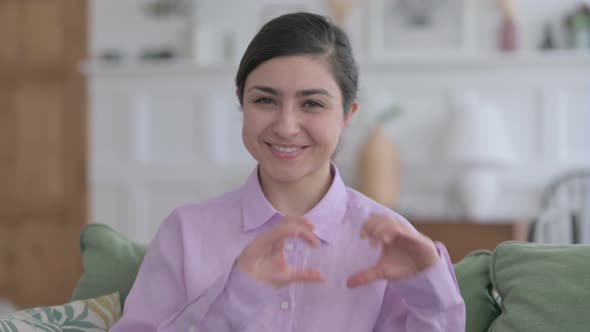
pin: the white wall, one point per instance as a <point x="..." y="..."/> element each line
<point x="164" y="134"/>
<point x="170" y="134"/>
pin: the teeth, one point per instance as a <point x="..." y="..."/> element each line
<point x="283" y="149"/>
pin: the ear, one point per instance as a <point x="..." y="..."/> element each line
<point x="238" y="93"/>
<point x="354" y="107"/>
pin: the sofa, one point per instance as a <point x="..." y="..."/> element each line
<point x="516" y="287"/>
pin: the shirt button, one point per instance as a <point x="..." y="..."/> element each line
<point x="289" y="247"/>
<point x="284" y="305"/>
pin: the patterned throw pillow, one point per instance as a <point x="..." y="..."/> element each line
<point x="92" y="315"/>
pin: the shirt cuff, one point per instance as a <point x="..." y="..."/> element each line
<point x="243" y="298"/>
<point x="434" y="288"/>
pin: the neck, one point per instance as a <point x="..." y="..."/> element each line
<point x="298" y="197"/>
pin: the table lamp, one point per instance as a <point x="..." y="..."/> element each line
<point x="478" y="147"/>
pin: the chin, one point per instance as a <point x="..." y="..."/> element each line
<point x="284" y="173"/>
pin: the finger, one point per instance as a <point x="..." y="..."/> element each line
<point x="309" y="236"/>
<point x="374" y="228"/>
<point x="386" y="228"/>
<point x="307" y="275"/>
<point x="280" y="261"/>
<point x="279" y="233"/>
<point x="373" y="242"/>
<point x="299" y="220"/>
<point x="304" y="222"/>
<point x="401" y="223"/>
<point x="364" y="277"/>
<point x="388" y="231"/>
<point x="366" y="233"/>
<point x="414" y="240"/>
<point x="369" y="224"/>
<point x="403" y="232"/>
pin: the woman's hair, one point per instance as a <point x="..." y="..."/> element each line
<point x="303" y="34"/>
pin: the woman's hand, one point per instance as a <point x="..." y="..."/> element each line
<point x="264" y="259"/>
<point x="405" y="252"/>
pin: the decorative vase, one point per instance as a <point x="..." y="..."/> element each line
<point x="379" y="168"/>
<point x="341" y="10"/>
<point x="508" y="35"/>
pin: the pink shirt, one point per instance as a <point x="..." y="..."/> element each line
<point x="187" y="281"/>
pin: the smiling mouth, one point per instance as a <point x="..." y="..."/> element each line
<point x="286" y="149"/>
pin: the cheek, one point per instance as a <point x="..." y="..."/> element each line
<point x="248" y="127"/>
<point x="253" y="124"/>
<point x="326" y="132"/>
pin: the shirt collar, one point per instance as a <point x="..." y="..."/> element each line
<point x="325" y="216"/>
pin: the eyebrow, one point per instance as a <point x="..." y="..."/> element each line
<point x="301" y="93"/>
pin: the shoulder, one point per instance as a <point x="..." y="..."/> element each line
<point x="212" y="206"/>
<point x="360" y="207"/>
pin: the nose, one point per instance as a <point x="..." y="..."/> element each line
<point x="287" y="123"/>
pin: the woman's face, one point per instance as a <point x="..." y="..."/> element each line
<point x="293" y="117"/>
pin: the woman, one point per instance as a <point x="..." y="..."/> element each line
<point x="294" y="249"/>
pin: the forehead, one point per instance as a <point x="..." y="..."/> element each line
<point x="293" y="73"/>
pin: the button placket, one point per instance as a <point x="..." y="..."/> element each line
<point x="284" y="305"/>
<point x="289" y="247"/>
<point x="291" y="252"/>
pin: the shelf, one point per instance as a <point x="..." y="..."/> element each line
<point x="559" y="58"/>
<point x="526" y="59"/>
<point x="156" y="67"/>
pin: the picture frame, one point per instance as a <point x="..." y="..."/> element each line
<point x="419" y="28"/>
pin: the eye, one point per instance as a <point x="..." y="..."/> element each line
<point x="264" y="101"/>
<point x="312" y="104"/>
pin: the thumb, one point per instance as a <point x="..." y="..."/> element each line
<point x="364" y="277"/>
<point x="306" y="275"/>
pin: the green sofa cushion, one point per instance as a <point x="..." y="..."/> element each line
<point x="541" y="287"/>
<point x="473" y="277"/>
<point x="111" y="262"/>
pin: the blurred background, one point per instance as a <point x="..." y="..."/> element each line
<point x="474" y="120"/>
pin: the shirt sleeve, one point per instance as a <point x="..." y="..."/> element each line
<point x="158" y="300"/>
<point x="429" y="301"/>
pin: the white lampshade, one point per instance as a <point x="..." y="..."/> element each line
<point x="476" y="135"/>
<point x="477" y="145"/>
